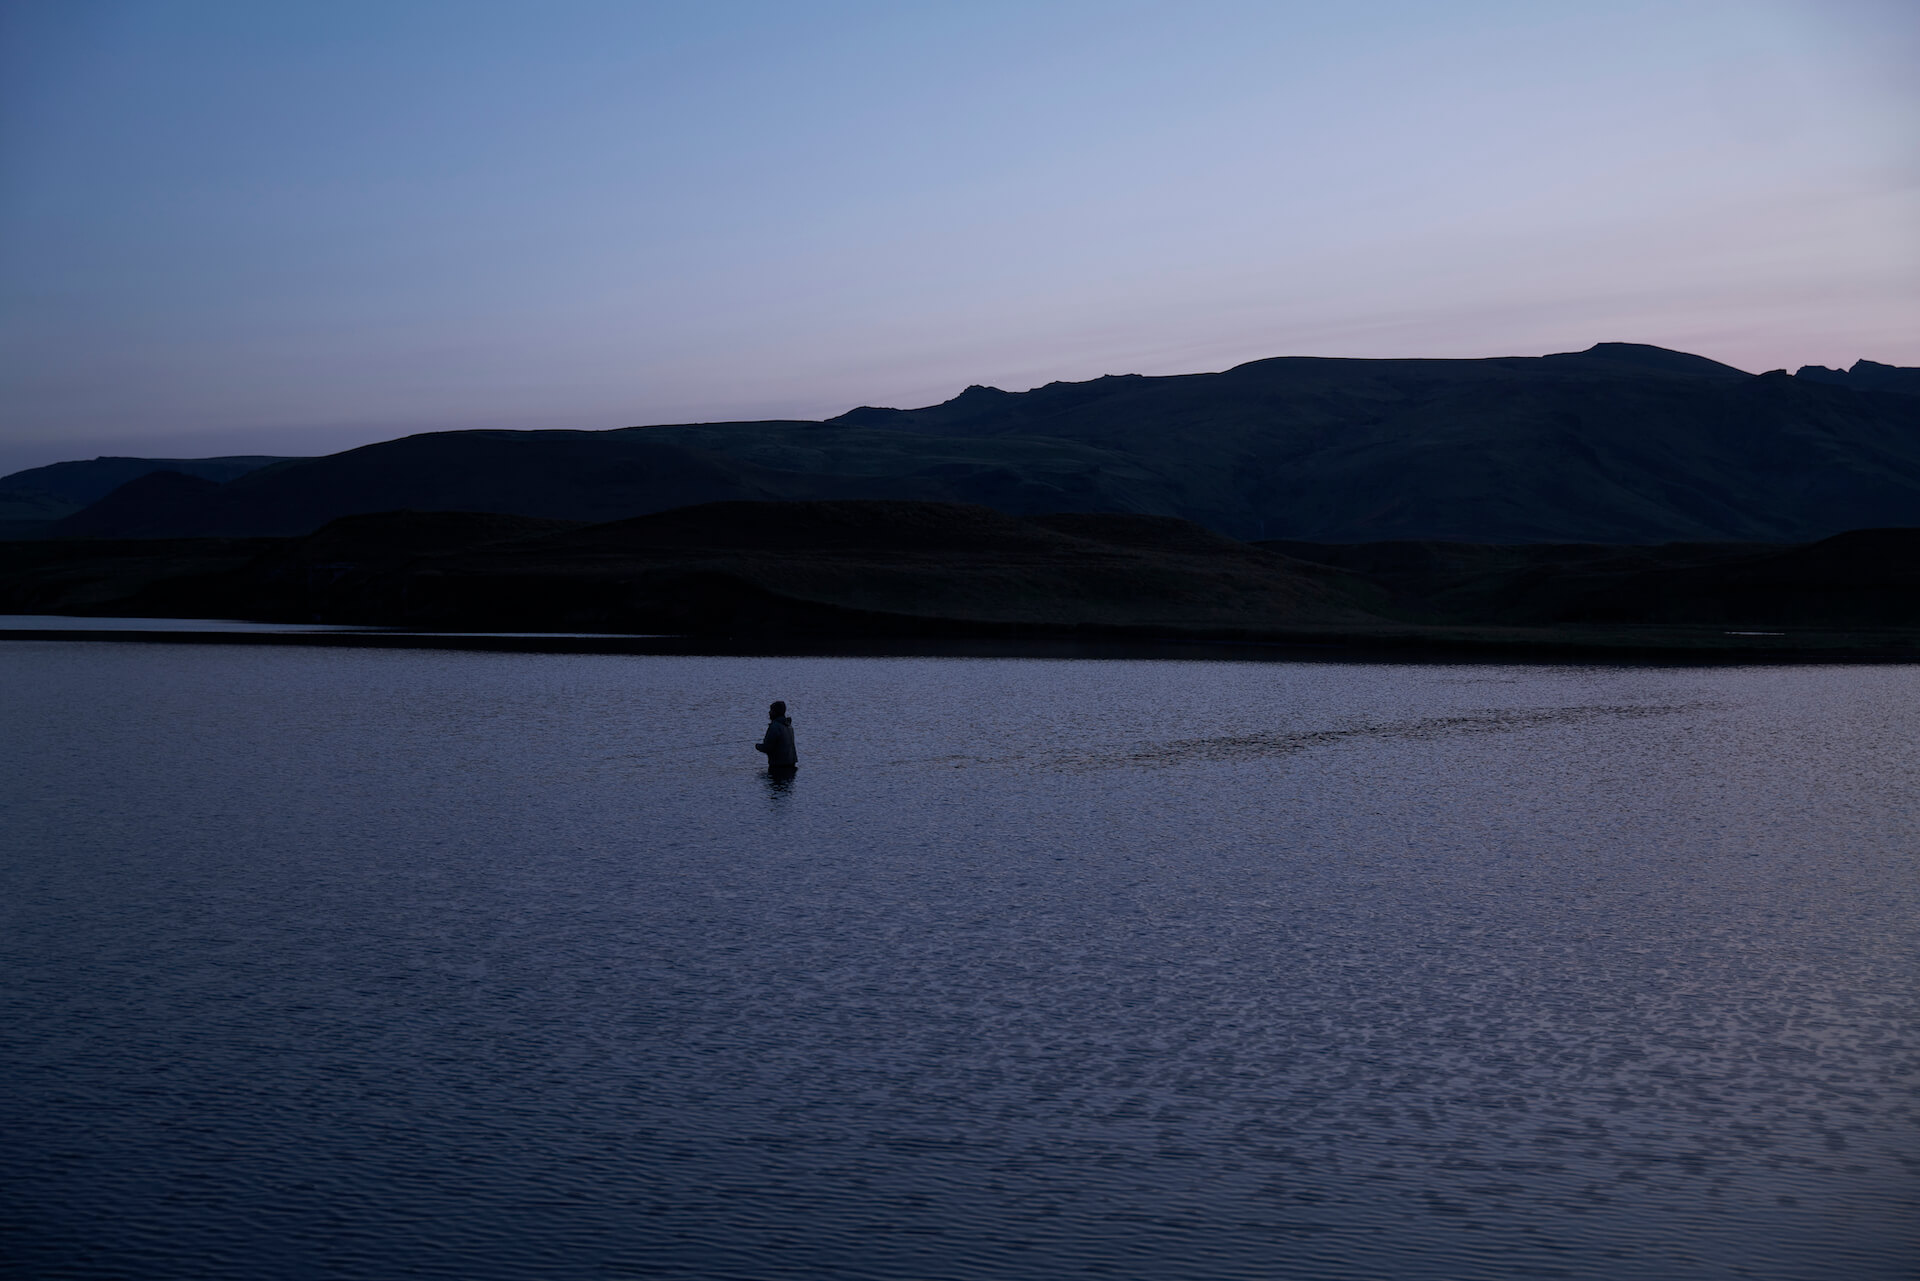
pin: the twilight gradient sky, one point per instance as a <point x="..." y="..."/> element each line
<point x="294" y="227"/>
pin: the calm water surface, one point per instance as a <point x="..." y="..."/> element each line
<point x="363" y="964"/>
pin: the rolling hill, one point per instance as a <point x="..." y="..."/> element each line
<point x="40" y="495"/>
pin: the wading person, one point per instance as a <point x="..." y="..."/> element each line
<point x="777" y="743"/>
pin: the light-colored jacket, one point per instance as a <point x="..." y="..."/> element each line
<point x="778" y="744"/>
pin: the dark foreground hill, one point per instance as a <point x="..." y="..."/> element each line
<point x="832" y="567"/>
<point x="1619" y="444"/>
<point x="772" y="573"/>
<point x="1862" y="580"/>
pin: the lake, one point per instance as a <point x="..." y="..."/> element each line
<point x="361" y="963"/>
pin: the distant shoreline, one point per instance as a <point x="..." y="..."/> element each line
<point x="1691" y="649"/>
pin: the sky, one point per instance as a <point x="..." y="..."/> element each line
<point x="233" y="227"/>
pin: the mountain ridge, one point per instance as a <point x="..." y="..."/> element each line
<point x="1621" y="443"/>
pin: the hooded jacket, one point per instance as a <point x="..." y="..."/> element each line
<point x="778" y="744"/>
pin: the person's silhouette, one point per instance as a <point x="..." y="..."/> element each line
<point x="778" y="741"/>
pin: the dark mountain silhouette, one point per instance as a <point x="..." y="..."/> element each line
<point x="1621" y="444"/>
<point x="44" y="494"/>
<point x="599" y="476"/>
<point x="153" y="505"/>
<point x="1865" y="375"/>
<point x="1642" y="356"/>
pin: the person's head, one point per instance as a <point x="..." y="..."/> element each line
<point x="777" y="711"/>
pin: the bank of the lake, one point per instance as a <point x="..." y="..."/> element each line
<point x="1621" y="644"/>
<point x="852" y="576"/>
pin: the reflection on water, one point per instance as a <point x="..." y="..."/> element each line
<point x="364" y="963"/>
